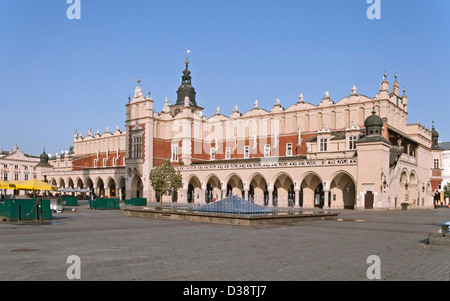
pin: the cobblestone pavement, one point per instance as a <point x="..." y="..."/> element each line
<point x="112" y="246"/>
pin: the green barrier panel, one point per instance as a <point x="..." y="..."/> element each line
<point x="139" y="201"/>
<point x="70" y="200"/>
<point x="136" y="202"/>
<point x="30" y="211"/>
<point x="12" y="209"/>
<point x="26" y="210"/>
<point x="105" y="204"/>
<point x="2" y="209"/>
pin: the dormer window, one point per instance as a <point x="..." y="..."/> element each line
<point x="227" y="153"/>
<point x="289" y="149"/>
<point x="267" y="150"/>
<point x="352" y="142"/>
<point x="174" y="155"/>
<point x="323" y="144"/>
<point x="247" y="152"/>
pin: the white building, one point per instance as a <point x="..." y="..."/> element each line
<point x="445" y="164"/>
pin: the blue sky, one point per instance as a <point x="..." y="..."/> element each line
<point x="58" y="75"/>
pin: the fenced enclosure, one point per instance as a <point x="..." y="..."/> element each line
<point x="25" y="210"/>
<point x="241" y="207"/>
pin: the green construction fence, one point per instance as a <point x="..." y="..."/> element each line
<point x="136" y="202"/>
<point x="70" y="200"/>
<point x="25" y="210"/>
<point x="104" y="204"/>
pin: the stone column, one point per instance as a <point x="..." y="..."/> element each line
<point x="203" y="197"/>
<point x="246" y="194"/>
<point x="185" y="195"/>
<point x="270" y="198"/>
<point x="297" y="198"/>
<point x="96" y="191"/>
<point x="325" y="203"/>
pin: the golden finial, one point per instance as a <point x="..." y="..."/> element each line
<point x="187" y="57"/>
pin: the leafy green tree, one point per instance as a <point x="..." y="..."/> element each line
<point x="447" y="190"/>
<point x="164" y="179"/>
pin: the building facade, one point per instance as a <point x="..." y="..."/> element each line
<point x="358" y="152"/>
<point x="445" y="164"/>
<point x="16" y="166"/>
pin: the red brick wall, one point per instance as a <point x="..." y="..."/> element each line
<point x="203" y="151"/>
<point x="162" y="150"/>
<point x="88" y="161"/>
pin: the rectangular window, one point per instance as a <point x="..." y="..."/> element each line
<point x="104" y="162"/>
<point x="34" y="176"/>
<point x="5" y="165"/>
<point x="352" y="142"/>
<point x="137" y="147"/>
<point x="174" y="156"/>
<point x="213" y="154"/>
<point x="436" y="164"/>
<point x="26" y="167"/>
<point x="26" y="177"/>
<point x="289" y="149"/>
<point x="247" y="152"/>
<point x="323" y="144"/>
<point x="16" y="166"/>
<point x="16" y="177"/>
<point x="5" y="176"/>
<point x="227" y="153"/>
<point x="267" y="150"/>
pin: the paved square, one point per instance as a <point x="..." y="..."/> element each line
<point x="112" y="246"/>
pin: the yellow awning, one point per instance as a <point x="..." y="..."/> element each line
<point x="4" y="185"/>
<point x="35" y="185"/>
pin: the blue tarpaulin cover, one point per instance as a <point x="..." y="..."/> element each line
<point x="234" y="205"/>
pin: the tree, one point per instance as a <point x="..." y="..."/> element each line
<point x="164" y="179"/>
<point x="447" y="190"/>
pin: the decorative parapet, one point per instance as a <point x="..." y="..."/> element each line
<point x="87" y="172"/>
<point x="409" y="159"/>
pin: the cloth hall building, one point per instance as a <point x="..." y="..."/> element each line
<point x="355" y="153"/>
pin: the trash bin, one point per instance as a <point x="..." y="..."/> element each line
<point x="405" y="206"/>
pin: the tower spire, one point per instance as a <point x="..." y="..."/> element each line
<point x="187" y="58"/>
<point x="186" y="88"/>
